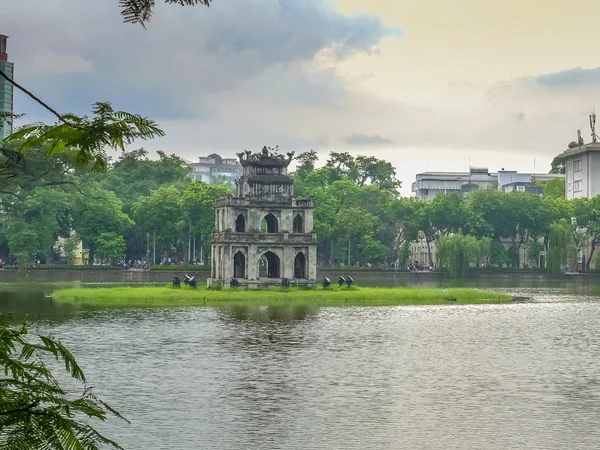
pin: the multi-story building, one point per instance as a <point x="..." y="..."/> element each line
<point x="582" y="169"/>
<point x="6" y="91"/>
<point x="430" y="184"/>
<point x="213" y="169"/>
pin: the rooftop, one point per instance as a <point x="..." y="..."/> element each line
<point x="268" y="157"/>
<point x="590" y="147"/>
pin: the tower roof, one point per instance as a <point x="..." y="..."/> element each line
<point x="266" y="158"/>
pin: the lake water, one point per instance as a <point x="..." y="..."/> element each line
<point x="518" y="376"/>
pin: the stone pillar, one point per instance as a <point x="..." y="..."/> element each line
<point x="213" y="271"/>
<point x="221" y="262"/>
<point x="287" y="262"/>
<point x="311" y="263"/>
<point x="228" y="263"/>
<point x="253" y="262"/>
<point x="308" y="220"/>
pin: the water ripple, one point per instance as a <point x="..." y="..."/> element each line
<point x="519" y="376"/>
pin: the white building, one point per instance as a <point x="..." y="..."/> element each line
<point x="582" y="169"/>
<point x="213" y="169"/>
<point x="430" y="184"/>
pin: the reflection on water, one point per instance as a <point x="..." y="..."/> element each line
<point x="435" y="377"/>
<point x="273" y="313"/>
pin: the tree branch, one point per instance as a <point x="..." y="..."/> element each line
<point x="10" y="193"/>
<point x="24" y="409"/>
<point x="41" y="102"/>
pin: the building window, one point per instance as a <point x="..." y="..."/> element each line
<point x="570" y="165"/>
<point x="521" y="188"/>
<point x="577" y="186"/>
<point x="577" y="165"/>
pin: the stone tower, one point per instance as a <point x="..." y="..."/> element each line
<point x="264" y="234"/>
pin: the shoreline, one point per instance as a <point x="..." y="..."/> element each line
<point x="167" y="296"/>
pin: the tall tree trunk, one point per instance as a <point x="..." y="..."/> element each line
<point x="429" y="252"/>
<point x="591" y="255"/>
<point x="91" y="255"/>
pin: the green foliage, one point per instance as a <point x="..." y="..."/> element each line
<point x="555" y="188"/>
<point x="356" y="204"/>
<point x="134" y="175"/>
<point x="457" y="252"/>
<point x="35" y="411"/>
<point x="561" y="247"/>
<point x="498" y="254"/>
<point x="597" y="262"/>
<point x="374" y="251"/>
<point x="140" y="11"/>
<point x="534" y="251"/>
<point x="70" y="248"/>
<point x="98" y="212"/>
<point x="558" y="165"/>
<point x="88" y="137"/>
<point x="110" y="246"/>
<point x="403" y="255"/>
<point x="199" y="207"/>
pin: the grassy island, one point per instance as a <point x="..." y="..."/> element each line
<point x="356" y="296"/>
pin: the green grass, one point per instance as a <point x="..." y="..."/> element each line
<point x="168" y="296"/>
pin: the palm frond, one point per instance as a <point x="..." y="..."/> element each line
<point x="140" y="11"/>
<point x="35" y="412"/>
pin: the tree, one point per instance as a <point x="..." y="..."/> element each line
<point x="587" y="216"/>
<point x="134" y="175"/>
<point x="161" y="212"/>
<point x="534" y="251"/>
<point x="498" y="254"/>
<point x="457" y="252"/>
<point x="561" y="247"/>
<point x="374" y="251"/>
<point x="403" y="255"/>
<point x="110" y="246"/>
<point x="199" y="208"/>
<point x="35" y="223"/>
<point x="558" y="165"/>
<point x="69" y="248"/>
<point x="555" y="188"/>
<point x="35" y="411"/>
<point x="96" y="212"/>
<point x="446" y="213"/>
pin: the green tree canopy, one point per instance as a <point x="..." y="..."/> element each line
<point x="555" y="188"/>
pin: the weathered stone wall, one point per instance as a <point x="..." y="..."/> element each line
<point x="252" y="243"/>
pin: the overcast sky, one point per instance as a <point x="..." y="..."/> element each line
<point x="427" y="84"/>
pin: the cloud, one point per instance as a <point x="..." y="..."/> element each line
<point x="570" y="78"/>
<point x="363" y="139"/>
<point x="189" y="59"/>
<point x="297" y="73"/>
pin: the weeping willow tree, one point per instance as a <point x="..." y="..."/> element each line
<point x="457" y="252"/>
<point x="562" y="247"/>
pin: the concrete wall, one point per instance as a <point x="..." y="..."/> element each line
<point x="362" y="277"/>
<point x="578" y="170"/>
